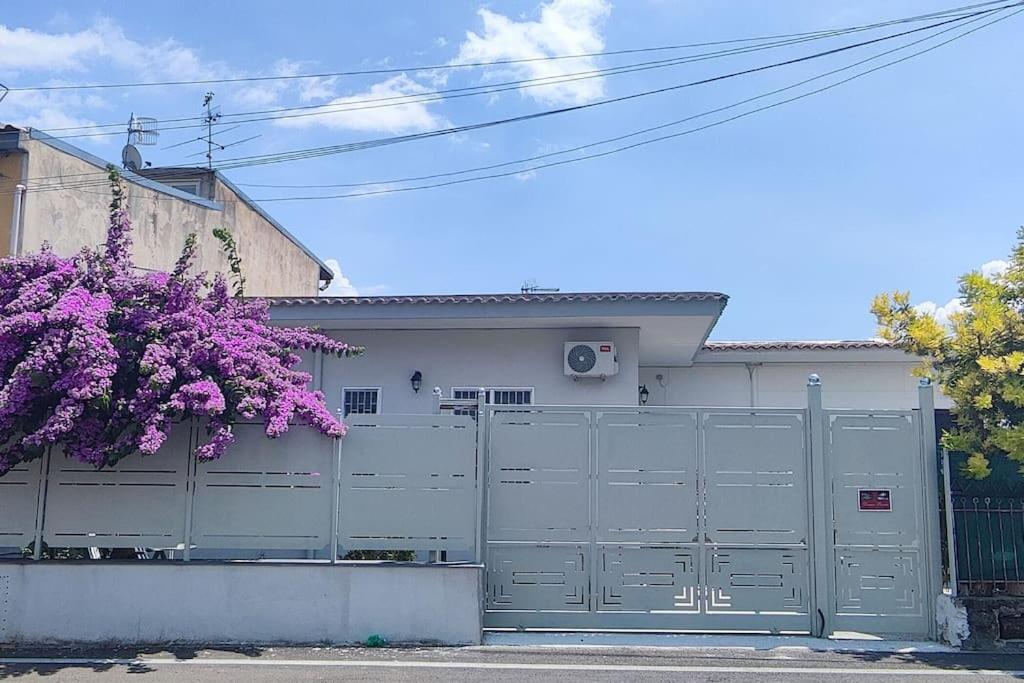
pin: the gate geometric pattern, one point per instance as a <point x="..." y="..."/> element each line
<point x="668" y="518"/>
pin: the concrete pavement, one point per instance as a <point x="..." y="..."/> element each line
<point x="566" y="663"/>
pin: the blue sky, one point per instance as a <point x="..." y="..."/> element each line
<point x="903" y="179"/>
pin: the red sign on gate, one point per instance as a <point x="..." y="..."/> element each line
<point x="874" y="500"/>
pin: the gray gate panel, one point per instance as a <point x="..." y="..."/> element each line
<point x="647" y="477"/>
<point x="756" y="478"/>
<point x="538" y="577"/>
<point x="538" y="476"/>
<point x="140" y="502"/>
<point x="872" y="452"/>
<point x="880" y="581"/>
<point x="408" y="482"/>
<point x="266" y="493"/>
<point x="758" y="581"/>
<point x="648" y="579"/>
<point x="19" y="493"/>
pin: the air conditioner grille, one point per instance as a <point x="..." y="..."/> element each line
<point x="582" y="358"/>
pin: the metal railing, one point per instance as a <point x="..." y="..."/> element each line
<point x="986" y="539"/>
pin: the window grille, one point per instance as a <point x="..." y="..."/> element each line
<point x="361" y="401"/>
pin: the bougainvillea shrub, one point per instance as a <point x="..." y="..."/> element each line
<point x="102" y="359"/>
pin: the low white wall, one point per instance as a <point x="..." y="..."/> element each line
<point x="301" y="603"/>
<point x="881" y="385"/>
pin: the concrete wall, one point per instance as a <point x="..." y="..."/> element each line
<point x="884" y="385"/>
<point x="301" y="603"/>
<point x="73" y="218"/>
<point x="473" y="358"/>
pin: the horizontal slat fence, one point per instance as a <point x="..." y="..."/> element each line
<point x="396" y="482"/>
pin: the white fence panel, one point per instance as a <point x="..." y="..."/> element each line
<point x="408" y="482"/>
<point x="266" y="493"/>
<point x="19" y="495"/>
<point x="139" y="502"/>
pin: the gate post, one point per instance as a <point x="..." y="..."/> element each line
<point x="481" y="474"/>
<point x="821" y="516"/>
<point x="930" y="468"/>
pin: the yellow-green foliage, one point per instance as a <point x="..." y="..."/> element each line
<point x="978" y="360"/>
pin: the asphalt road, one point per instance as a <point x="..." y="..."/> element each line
<point x="593" y="665"/>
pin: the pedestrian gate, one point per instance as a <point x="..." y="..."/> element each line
<point x="703" y="520"/>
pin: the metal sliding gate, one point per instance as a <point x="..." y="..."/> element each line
<point x="698" y="519"/>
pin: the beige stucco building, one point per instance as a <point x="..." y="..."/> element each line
<point x="66" y="197"/>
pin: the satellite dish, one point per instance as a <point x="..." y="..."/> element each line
<point x="130" y="158"/>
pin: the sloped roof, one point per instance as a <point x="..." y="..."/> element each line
<point x="511" y="298"/>
<point x="808" y="345"/>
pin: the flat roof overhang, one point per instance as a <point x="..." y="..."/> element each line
<point x="673" y="326"/>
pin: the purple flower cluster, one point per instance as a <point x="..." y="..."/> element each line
<point x="103" y="361"/>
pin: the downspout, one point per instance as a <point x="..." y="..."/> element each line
<point x="19" y="198"/>
<point x="752" y="374"/>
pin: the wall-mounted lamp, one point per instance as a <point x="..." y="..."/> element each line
<point x="417" y="381"/>
<point x="644" y="394"/>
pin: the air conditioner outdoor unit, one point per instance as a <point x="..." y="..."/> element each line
<point x="590" y="359"/>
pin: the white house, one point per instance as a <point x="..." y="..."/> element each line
<point x="515" y="345"/>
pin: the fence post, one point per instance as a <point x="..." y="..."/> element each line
<point x="821" y="516"/>
<point x="335" y="497"/>
<point x="191" y="475"/>
<point x="44" y="475"/>
<point x="437" y="400"/>
<point x="930" y="466"/>
<point x="481" y="470"/>
<point x="947" y="492"/>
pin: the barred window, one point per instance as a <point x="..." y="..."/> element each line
<point x="361" y="400"/>
<point x="504" y="396"/>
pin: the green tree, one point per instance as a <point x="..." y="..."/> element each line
<point x="977" y="360"/>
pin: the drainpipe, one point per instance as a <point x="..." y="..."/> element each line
<point x="752" y="373"/>
<point x="19" y="198"/>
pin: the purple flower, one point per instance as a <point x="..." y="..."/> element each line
<point x="103" y="361"/>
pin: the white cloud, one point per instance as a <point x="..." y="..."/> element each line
<point x="352" y="112"/>
<point x="440" y="41"/>
<point x="940" y="313"/>
<point x="994" y="268"/>
<point x="340" y="285"/>
<point x="28" y="49"/>
<point x="564" y="27"/>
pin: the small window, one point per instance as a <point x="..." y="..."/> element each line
<point x="190" y="186"/>
<point x="361" y="400"/>
<point x="502" y="396"/>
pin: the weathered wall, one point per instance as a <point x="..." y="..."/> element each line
<point x="474" y="358"/>
<point x="10" y="172"/>
<point x="883" y="385"/>
<point x="75" y="217"/>
<point x="261" y="603"/>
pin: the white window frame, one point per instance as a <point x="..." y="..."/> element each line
<point x="380" y="399"/>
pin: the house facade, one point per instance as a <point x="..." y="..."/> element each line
<point x="65" y="203"/>
<point x="514" y="346"/>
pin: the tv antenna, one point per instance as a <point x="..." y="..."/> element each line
<point x="211" y="117"/>
<point x="531" y="287"/>
<point x="142" y="130"/>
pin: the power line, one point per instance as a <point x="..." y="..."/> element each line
<point x="361" y="104"/>
<point x="597" y="143"/>
<point x="661" y="138"/>
<point x="323" y="151"/>
<point x="435" y="67"/>
<point x="431" y="96"/>
<point x="642" y="143"/>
